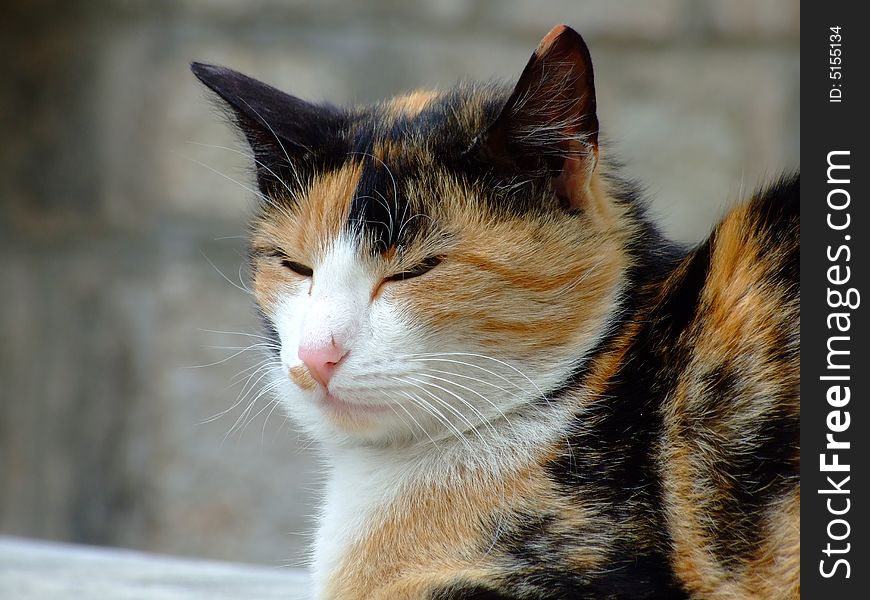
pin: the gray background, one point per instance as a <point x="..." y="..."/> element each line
<point x="108" y="223"/>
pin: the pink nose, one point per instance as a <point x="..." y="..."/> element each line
<point x="322" y="360"/>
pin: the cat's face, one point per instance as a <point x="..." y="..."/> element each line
<point x="428" y="265"/>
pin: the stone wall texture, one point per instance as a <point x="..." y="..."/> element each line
<point x="121" y="232"/>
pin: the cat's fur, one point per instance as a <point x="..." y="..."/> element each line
<point x="542" y="397"/>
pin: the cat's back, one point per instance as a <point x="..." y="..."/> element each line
<point x="729" y="319"/>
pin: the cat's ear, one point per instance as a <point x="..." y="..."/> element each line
<point x="287" y="135"/>
<point x="549" y="120"/>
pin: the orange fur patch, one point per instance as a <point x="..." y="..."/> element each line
<point x="305" y="230"/>
<point x="496" y="270"/>
<point x="412" y="104"/>
<point x="301" y="376"/>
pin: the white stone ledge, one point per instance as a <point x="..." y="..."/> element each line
<point x="39" y="570"/>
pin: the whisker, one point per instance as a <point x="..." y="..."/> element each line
<point x="266" y="363"/>
<point x="242" y="287"/>
<point x="472" y="365"/>
<point x="475" y="379"/>
<point x="449" y="426"/>
<point x="476" y="393"/>
<point x="470" y="406"/>
<point x="245" y="417"/>
<point x="446" y="405"/>
<point x="236" y="379"/>
<point x="430" y="409"/>
<point x="275" y="403"/>
<point x="262" y="337"/>
<point x="259" y="195"/>
<point x="417" y="423"/>
<point x="230" y="357"/>
<point x="249" y="156"/>
<point x="483" y="356"/>
<point x="248" y="388"/>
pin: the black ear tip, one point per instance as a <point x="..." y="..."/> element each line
<point x="203" y="71"/>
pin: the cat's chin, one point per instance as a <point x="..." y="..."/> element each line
<point x="333" y="418"/>
<point x="337" y="407"/>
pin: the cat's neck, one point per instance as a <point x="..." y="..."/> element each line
<point x="366" y="484"/>
<point x="502" y="445"/>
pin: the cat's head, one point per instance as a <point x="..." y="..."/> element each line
<point x="437" y="261"/>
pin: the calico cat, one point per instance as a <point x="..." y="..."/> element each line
<point x="523" y="390"/>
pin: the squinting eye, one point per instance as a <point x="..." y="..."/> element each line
<point x="297" y="268"/>
<point x="424" y="267"/>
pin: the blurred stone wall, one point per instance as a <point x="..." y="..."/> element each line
<point x="112" y="213"/>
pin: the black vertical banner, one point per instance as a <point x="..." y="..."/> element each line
<point x="835" y="370"/>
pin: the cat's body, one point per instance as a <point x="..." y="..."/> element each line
<point x="522" y="389"/>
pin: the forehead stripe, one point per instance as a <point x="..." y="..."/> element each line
<point x="380" y="208"/>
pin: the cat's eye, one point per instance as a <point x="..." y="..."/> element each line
<point x="297" y="268"/>
<point x="423" y="267"/>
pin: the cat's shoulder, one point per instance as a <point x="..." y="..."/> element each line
<point x="763" y="231"/>
<point x="753" y="256"/>
<point x="746" y="322"/>
<point x="731" y="306"/>
<point x="747" y="269"/>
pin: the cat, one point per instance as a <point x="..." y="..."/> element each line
<point x="522" y="388"/>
